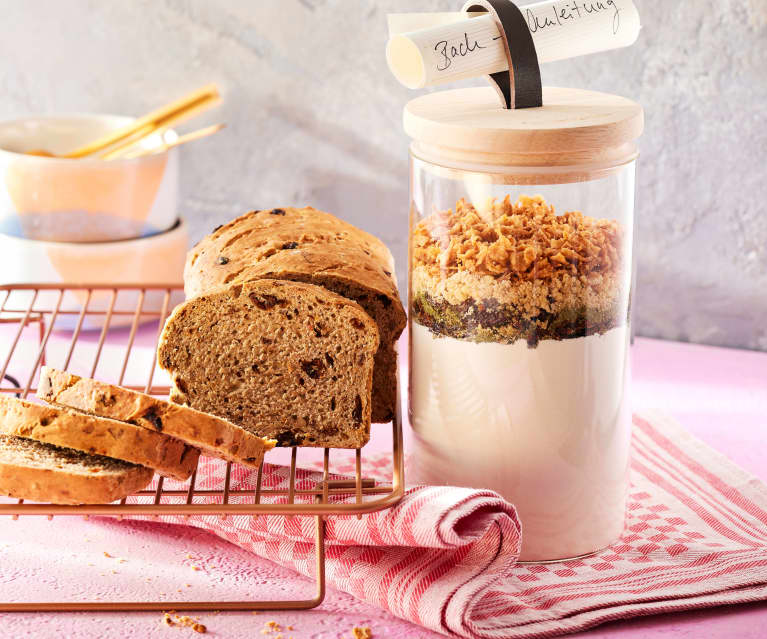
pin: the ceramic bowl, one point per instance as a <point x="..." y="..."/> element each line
<point x="86" y="199"/>
<point x="158" y="259"/>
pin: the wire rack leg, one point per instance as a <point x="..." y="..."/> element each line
<point x="111" y="606"/>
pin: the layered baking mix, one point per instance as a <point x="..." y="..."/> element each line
<point x="517" y="272"/>
<point x="518" y="340"/>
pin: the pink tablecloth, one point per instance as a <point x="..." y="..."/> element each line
<point x="700" y="393"/>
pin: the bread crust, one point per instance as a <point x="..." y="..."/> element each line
<point x="213" y="435"/>
<point x="308" y="245"/>
<point x="262" y="236"/>
<point x="61" y="481"/>
<point x="97" y="436"/>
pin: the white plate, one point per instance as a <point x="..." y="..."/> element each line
<point x="153" y="260"/>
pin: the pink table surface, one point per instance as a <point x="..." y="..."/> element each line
<point x="718" y="394"/>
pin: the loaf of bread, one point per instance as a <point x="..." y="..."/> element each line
<point x="310" y="246"/>
<point x="97" y="436"/>
<point x="213" y="435"/>
<point x="42" y="472"/>
<point x="285" y="360"/>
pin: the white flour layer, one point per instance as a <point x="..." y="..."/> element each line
<point x="548" y="428"/>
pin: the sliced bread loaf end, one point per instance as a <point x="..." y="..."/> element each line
<point x="285" y="360"/>
<point x="307" y="245"/>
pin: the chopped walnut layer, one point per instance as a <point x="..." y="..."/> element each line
<point x="518" y="271"/>
<point x="521" y="241"/>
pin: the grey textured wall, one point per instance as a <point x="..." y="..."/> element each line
<point x="314" y="118"/>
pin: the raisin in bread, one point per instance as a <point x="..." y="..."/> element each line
<point x="97" y="436"/>
<point x="213" y="435"/>
<point x="42" y="472"/>
<point x="315" y="247"/>
<point x="285" y="360"/>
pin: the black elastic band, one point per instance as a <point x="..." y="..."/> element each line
<point x="523" y="79"/>
<point x="13" y="381"/>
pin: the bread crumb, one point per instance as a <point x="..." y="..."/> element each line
<point x="106" y="554"/>
<point x="362" y="633"/>
<point x="270" y="627"/>
<point x="171" y="619"/>
<point x="195" y="567"/>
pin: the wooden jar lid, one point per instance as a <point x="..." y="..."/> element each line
<point x="574" y="127"/>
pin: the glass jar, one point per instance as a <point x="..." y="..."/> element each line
<point x="520" y="275"/>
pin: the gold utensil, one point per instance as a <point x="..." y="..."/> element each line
<point x="177" y="111"/>
<point x="182" y="139"/>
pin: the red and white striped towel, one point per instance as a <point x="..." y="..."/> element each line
<point x="696" y="536"/>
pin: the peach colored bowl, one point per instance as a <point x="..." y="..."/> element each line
<point x="81" y="200"/>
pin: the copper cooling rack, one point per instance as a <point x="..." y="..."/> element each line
<point x="113" y="318"/>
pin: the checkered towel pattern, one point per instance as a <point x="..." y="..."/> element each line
<point x="445" y="558"/>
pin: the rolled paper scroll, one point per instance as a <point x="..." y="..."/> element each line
<point x="428" y="49"/>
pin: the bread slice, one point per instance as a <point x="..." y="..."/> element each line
<point x="46" y="473"/>
<point x="213" y="435"/>
<point x="285" y="360"/>
<point x="310" y="246"/>
<point x="97" y="436"/>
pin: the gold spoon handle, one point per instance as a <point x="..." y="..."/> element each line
<point x="193" y="102"/>
<point x="182" y="139"/>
